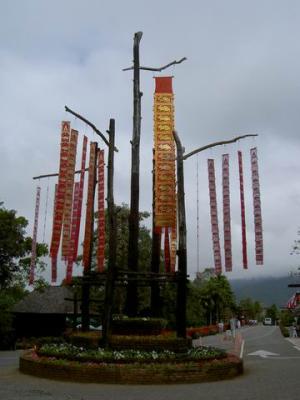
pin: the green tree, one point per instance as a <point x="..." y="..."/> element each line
<point x="15" y="250"/>
<point x="217" y="299"/>
<point x="250" y="309"/>
<point x="272" y="312"/>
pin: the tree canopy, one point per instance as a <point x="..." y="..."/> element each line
<point x="15" y="249"/>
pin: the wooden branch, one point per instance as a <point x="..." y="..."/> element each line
<point x="209" y="146"/>
<point x="158" y="69"/>
<point x="96" y="130"/>
<point x="56" y="174"/>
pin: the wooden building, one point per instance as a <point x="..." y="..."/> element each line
<point x="43" y="312"/>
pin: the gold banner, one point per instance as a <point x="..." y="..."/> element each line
<point x="165" y="189"/>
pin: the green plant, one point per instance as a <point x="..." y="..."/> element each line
<point x="73" y="353"/>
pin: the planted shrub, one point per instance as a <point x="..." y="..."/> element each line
<point x="138" y="326"/>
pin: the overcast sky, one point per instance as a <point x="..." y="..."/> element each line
<point x="241" y="76"/>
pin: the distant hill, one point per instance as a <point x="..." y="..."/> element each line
<point x="268" y="291"/>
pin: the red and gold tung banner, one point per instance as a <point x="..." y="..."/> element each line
<point x="60" y="196"/>
<point x="257" y="208"/>
<point x="243" y="218"/>
<point x="54" y="259"/>
<point x="72" y="241"/>
<point x="69" y="193"/>
<point x="214" y="216"/>
<point x="34" y="236"/>
<point x="226" y="213"/>
<point x="165" y="189"/>
<point x="80" y="196"/>
<point x="101" y="214"/>
<point x="89" y="207"/>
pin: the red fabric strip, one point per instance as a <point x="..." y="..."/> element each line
<point x="34" y="236"/>
<point x="163" y="84"/>
<point x="69" y="193"/>
<point x="243" y="218"/>
<point x="75" y="210"/>
<point x="257" y="208"/>
<point x="214" y="216"/>
<point x="226" y="213"/>
<point x="101" y="212"/>
<point x="80" y="198"/>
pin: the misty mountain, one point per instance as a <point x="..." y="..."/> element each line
<point x="268" y="291"/>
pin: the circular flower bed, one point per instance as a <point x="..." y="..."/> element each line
<point x="68" y="362"/>
<point x="70" y="352"/>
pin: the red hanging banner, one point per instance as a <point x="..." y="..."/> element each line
<point x="257" y="208"/>
<point x="54" y="259"/>
<point x="69" y="193"/>
<point x="60" y="197"/>
<point x="80" y="196"/>
<point x="34" y="236"/>
<point x="243" y="219"/>
<point x="226" y="213"/>
<point x="214" y="216"/>
<point x="72" y="240"/>
<point x="89" y="207"/>
<point x="101" y="213"/>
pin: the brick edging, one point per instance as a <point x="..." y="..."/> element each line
<point x="191" y="372"/>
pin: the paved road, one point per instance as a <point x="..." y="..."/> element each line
<point x="274" y="377"/>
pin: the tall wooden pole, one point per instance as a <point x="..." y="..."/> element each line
<point x="85" y="303"/>
<point x="133" y="253"/>
<point x="155" y="255"/>
<point x="182" y="258"/>
<point x="111" y="271"/>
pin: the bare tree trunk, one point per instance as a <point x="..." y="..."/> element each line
<point x="132" y="298"/>
<point x="182" y="260"/>
<point x="155" y="255"/>
<point x="111" y="271"/>
<point x="85" y="304"/>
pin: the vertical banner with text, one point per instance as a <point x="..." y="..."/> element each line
<point x="69" y="193"/>
<point x="257" y="208"/>
<point x="226" y="213"/>
<point x="80" y="196"/>
<point x="243" y="218"/>
<point x="214" y="216"/>
<point x="34" y="236"/>
<point x="164" y="157"/>
<point x="72" y="241"/>
<point x="60" y="197"/>
<point x="101" y="213"/>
